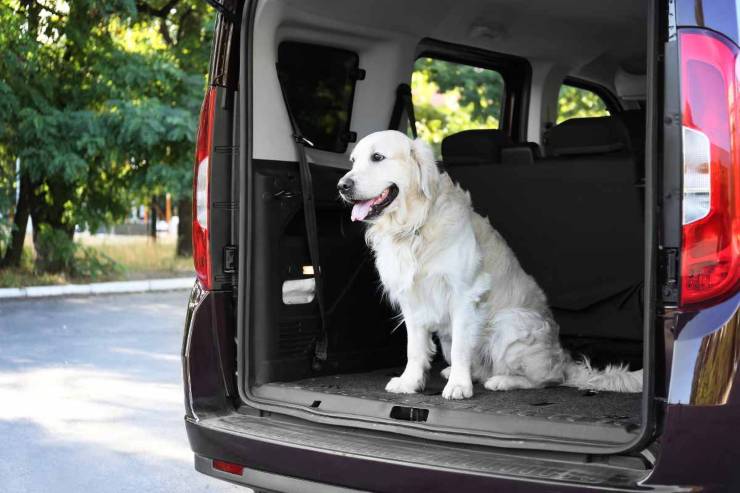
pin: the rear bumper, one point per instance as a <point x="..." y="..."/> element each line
<point x="285" y="455"/>
<point x="265" y="481"/>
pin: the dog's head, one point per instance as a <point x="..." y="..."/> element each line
<point x="391" y="174"/>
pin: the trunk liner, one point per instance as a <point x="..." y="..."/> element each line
<point x="552" y="401"/>
<point x="611" y="416"/>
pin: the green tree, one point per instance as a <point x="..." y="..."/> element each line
<point x="451" y="97"/>
<point x="99" y="101"/>
<point x="479" y="90"/>
<point x="185" y="27"/>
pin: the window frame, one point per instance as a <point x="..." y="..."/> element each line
<point x="515" y="71"/>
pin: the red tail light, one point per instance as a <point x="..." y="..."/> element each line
<point x="201" y="191"/>
<point x="710" y="88"/>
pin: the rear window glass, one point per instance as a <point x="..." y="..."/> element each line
<point x="451" y="97"/>
<point x="576" y="102"/>
<point x="319" y="82"/>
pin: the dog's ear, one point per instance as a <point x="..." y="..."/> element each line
<point x="423" y="155"/>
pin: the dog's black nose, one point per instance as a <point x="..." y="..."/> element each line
<point x="345" y="185"/>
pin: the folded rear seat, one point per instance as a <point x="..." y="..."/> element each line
<point x="481" y="147"/>
<point x="587" y="136"/>
<point x="474" y="147"/>
<point x="574" y="220"/>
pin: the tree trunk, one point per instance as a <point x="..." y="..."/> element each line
<point x="54" y="246"/>
<point x="153" y="219"/>
<point x="13" y="253"/>
<point x="185" y="227"/>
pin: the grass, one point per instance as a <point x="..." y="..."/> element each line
<point x="141" y="257"/>
<point x="138" y="256"/>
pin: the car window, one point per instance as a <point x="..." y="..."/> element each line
<point x="451" y="97"/>
<point x="576" y="102"/>
<point x="319" y="83"/>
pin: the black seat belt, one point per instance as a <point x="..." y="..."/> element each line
<point x="404" y="104"/>
<point x="309" y="213"/>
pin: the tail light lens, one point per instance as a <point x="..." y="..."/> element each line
<point x="230" y="467"/>
<point x="201" y="191"/>
<point x="710" y="88"/>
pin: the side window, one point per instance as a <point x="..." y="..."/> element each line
<point x="450" y="97"/>
<point x="319" y="83"/>
<point x="576" y="102"/>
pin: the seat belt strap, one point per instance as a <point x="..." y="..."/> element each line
<point x="404" y="104"/>
<point x="309" y="213"/>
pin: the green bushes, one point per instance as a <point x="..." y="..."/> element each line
<point x="57" y="253"/>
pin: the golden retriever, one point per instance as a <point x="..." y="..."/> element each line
<point x="453" y="275"/>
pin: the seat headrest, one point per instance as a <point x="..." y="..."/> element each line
<point x="587" y="136"/>
<point x="474" y="147"/>
<point x="630" y="87"/>
<point x="517" y="155"/>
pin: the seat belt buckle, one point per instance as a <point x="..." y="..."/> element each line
<point x="300" y="139"/>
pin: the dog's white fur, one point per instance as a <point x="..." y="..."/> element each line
<point x="452" y="274"/>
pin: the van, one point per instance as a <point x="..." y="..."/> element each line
<point x="601" y="139"/>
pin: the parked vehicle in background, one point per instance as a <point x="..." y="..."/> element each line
<point x="625" y="206"/>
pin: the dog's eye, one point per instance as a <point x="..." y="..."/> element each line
<point x="377" y="157"/>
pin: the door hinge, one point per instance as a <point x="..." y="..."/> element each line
<point x="669" y="275"/>
<point x="230" y="257"/>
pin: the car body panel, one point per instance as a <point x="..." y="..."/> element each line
<point x="699" y="417"/>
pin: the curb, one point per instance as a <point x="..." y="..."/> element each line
<point x="97" y="288"/>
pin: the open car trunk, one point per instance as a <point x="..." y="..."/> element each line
<point x="364" y="351"/>
<point x="572" y="209"/>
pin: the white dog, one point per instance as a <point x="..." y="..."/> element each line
<point x="452" y="274"/>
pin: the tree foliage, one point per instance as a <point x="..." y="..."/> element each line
<point x="451" y="97"/>
<point x="99" y="101"/>
<point x="574" y="102"/>
<point x="479" y="91"/>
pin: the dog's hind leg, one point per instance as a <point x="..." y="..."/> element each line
<point x="523" y="349"/>
<point x="508" y="382"/>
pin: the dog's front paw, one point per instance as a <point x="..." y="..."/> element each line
<point x="445" y="373"/>
<point x="400" y="385"/>
<point x="458" y="389"/>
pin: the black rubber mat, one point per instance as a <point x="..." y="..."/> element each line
<point x="553" y="403"/>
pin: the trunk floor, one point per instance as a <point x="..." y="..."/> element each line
<point x="553" y="403"/>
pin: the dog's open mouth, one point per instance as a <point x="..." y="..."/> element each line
<point x="370" y="208"/>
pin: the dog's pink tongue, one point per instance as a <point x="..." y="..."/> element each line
<point x="361" y="209"/>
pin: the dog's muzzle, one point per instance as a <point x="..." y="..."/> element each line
<point x="365" y="209"/>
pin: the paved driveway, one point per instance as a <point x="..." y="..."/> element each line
<point x="90" y="396"/>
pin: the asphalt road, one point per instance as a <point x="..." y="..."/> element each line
<point x="91" y="398"/>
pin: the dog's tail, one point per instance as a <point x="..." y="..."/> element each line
<point x="613" y="378"/>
